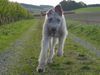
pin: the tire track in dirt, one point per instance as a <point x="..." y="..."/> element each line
<point x="85" y="44"/>
<point x="8" y="58"/>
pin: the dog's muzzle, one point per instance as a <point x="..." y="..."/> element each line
<point x="52" y="31"/>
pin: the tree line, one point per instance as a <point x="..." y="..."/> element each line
<point x="71" y="5"/>
<point x="10" y="12"/>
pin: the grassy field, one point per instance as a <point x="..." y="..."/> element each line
<point x="87" y="10"/>
<point x="10" y="32"/>
<point x="89" y="32"/>
<point x="76" y="60"/>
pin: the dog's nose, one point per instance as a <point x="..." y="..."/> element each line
<point x="53" y="29"/>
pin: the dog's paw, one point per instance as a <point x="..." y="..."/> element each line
<point x="60" y="53"/>
<point x="40" y="69"/>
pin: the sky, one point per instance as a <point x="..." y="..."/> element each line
<point x="52" y="2"/>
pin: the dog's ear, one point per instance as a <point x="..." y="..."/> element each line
<point x="49" y="12"/>
<point x="59" y="10"/>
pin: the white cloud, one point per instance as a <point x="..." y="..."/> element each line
<point x="39" y="2"/>
<point x="52" y="2"/>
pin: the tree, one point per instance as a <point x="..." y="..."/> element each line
<point x="71" y="5"/>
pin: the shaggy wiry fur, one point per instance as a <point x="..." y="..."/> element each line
<point x="54" y="29"/>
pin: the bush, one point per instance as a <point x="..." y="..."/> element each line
<point x="10" y="12"/>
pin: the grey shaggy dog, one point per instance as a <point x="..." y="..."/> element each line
<point x="54" y="29"/>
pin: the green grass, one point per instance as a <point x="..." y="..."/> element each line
<point x="89" y="32"/>
<point x="76" y="61"/>
<point x="10" y="32"/>
<point x="88" y="9"/>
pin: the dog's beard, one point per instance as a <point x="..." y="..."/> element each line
<point x="51" y="32"/>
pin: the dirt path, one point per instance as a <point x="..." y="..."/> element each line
<point x="12" y="54"/>
<point x="85" y="44"/>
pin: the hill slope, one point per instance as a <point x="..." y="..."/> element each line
<point x="34" y="8"/>
<point x="87" y="10"/>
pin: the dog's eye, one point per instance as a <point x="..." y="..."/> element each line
<point x="58" y="20"/>
<point x="50" y="19"/>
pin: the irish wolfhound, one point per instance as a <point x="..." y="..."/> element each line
<point x="54" y="29"/>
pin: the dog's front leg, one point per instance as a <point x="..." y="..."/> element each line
<point x="61" y="45"/>
<point x="43" y="54"/>
<point x="52" y="46"/>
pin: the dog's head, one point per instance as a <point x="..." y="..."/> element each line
<point x="54" y="17"/>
